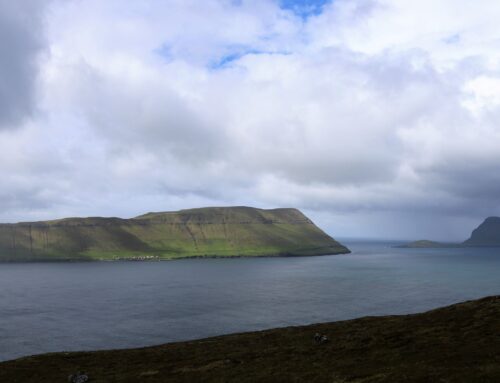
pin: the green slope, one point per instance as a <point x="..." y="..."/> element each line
<point x="218" y="231"/>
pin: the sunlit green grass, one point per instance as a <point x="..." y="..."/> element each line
<point x="207" y="232"/>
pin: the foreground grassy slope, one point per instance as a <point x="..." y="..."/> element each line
<point x="459" y="343"/>
<point x="226" y="231"/>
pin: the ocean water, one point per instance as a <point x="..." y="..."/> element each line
<point x="86" y="306"/>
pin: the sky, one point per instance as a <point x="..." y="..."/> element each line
<point x="376" y="118"/>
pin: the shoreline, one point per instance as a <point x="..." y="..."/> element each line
<point x="85" y="260"/>
<point x="456" y="343"/>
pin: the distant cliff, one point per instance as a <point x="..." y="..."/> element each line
<point x="486" y="234"/>
<point x="204" y="232"/>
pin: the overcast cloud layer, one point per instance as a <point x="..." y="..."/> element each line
<point x="377" y="118"/>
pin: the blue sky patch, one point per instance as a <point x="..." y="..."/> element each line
<point x="229" y="58"/>
<point x="453" y="39"/>
<point x="165" y="51"/>
<point x="304" y="8"/>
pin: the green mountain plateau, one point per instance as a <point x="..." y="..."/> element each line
<point x="203" y="232"/>
<point x="487" y="234"/>
<point x="459" y="344"/>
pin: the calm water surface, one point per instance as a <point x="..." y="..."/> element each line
<point x="86" y="306"/>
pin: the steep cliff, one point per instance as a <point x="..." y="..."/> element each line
<point x="486" y="234"/>
<point x="216" y="231"/>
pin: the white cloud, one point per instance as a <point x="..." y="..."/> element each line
<point x="371" y="110"/>
<point x="483" y="92"/>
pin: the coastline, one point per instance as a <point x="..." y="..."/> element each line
<point x="160" y="259"/>
<point x="456" y="343"/>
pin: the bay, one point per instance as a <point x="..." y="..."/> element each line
<point x="48" y="307"/>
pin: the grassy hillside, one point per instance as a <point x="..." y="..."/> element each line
<point x="224" y="231"/>
<point x="456" y="344"/>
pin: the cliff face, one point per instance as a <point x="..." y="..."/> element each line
<point x="225" y="231"/>
<point x="486" y="234"/>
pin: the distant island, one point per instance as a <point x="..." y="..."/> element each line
<point x="202" y="232"/>
<point x="485" y="235"/>
<point x="424" y="243"/>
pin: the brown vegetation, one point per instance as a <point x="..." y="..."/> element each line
<point x="460" y="343"/>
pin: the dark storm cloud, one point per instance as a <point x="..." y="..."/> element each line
<point x="20" y="44"/>
<point x="473" y="182"/>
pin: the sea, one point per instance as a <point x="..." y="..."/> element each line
<point x="52" y="307"/>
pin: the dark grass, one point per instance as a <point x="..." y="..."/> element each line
<point x="459" y="343"/>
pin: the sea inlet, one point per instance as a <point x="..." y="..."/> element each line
<point x="47" y="307"/>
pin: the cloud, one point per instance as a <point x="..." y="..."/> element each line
<point x="21" y="31"/>
<point x="356" y="113"/>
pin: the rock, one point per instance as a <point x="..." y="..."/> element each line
<point x="320" y="339"/>
<point x="317" y="337"/>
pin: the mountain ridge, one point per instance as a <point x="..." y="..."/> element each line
<point x="199" y="232"/>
